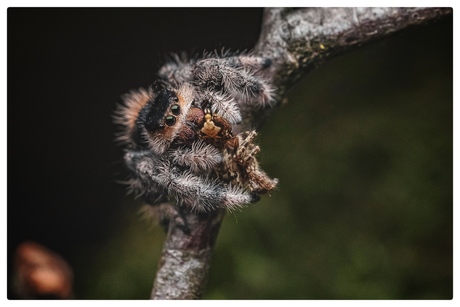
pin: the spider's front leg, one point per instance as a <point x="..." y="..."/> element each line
<point x="204" y="193"/>
<point x="235" y="77"/>
<point x="196" y="192"/>
<point x="158" y="207"/>
<point x="223" y="105"/>
<point x="200" y="157"/>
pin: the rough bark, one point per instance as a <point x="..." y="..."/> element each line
<point x="185" y="260"/>
<point x="297" y="41"/>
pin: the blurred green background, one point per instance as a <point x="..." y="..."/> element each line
<point x="363" y="151"/>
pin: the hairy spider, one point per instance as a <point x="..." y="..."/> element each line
<point x="179" y="139"/>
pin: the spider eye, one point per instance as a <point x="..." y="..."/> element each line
<point x="170" y="120"/>
<point x="175" y="109"/>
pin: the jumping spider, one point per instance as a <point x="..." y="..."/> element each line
<point x="179" y="138"/>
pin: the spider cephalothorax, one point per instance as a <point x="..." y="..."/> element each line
<point x="179" y="137"/>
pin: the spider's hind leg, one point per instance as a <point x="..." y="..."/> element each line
<point x="166" y="213"/>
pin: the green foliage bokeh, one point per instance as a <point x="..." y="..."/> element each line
<point x="363" y="151"/>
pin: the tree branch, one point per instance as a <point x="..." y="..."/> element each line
<point x="184" y="264"/>
<point x="296" y="41"/>
<point x="299" y="40"/>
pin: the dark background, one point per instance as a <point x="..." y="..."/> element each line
<point x="363" y="151"/>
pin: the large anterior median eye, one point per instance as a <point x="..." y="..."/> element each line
<point x="175" y="109"/>
<point x="170" y="120"/>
